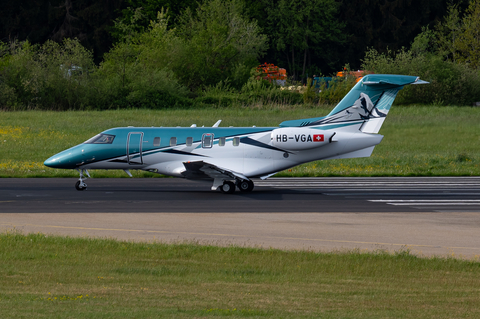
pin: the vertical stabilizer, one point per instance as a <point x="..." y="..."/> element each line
<point x="367" y="104"/>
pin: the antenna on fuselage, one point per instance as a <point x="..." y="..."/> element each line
<point x="217" y="123"/>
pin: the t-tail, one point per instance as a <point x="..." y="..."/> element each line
<point x="365" y="107"/>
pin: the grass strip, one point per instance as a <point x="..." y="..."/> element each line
<point x="419" y="140"/>
<point x="45" y="276"/>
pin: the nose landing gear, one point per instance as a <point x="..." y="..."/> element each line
<point x="80" y="184"/>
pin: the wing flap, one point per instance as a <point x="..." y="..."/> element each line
<point x="204" y="170"/>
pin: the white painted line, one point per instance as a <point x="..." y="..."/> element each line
<point x="422" y="200"/>
<point x="476" y="185"/>
<point x="362" y="193"/>
<point x="433" y="204"/>
<point x="428" y="202"/>
<point x="327" y="188"/>
<point x="325" y="185"/>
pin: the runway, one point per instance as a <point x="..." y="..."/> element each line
<point x="428" y="215"/>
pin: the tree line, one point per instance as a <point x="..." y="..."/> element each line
<point x="304" y="36"/>
<point x="166" y="53"/>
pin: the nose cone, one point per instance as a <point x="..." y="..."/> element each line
<point x="70" y="158"/>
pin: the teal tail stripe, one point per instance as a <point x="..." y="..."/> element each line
<point x="372" y="96"/>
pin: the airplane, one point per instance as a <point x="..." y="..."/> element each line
<point x="232" y="157"/>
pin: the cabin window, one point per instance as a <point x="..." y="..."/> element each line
<point x="173" y="141"/>
<point x="221" y="141"/>
<point x="236" y="141"/>
<point x="207" y="140"/>
<point x="156" y="141"/>
<point x="189" y="141"/>
<point x="101" y="139"/>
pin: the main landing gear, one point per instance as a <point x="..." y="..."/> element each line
<point x="228" y="187"/>
<point x="244" y="186"/>
<point x="80" y="184"/>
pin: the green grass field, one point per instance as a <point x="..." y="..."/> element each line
<point x="59" y="277"/>
<point x="419" y="140"/>
<point x="56" y="277"/>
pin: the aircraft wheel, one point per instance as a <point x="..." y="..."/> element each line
<point x="228" y="187"/>
<point x="80" y="188"/>
<point x="245" y="186"/>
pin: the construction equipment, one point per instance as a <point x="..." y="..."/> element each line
<point x="271" y="72"/>
<point x="357" y="74"/>
<point x="317" y="81"/>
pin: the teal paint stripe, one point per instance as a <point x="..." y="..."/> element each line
<point x="329" y="127"/>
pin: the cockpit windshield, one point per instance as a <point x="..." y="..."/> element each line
<point x="101" y="139"/>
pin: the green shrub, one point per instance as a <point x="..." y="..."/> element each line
<point x="8" y="97"/>
<point x="262" y="91"/>
<point x="48" y="76"/>
<point x="220" y="95"/>
<point x="309" y="96"/>
<point x="219" y="43"/>
<point x="156" y="89"/>
<point x="450" y="83"/>
<point x="253" y="92"/>
<point x="336" y="90"/>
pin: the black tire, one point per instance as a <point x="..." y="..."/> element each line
<point x="228" y="187"/>
<point x="245" y="186"/>
<point x="78" y="187"/>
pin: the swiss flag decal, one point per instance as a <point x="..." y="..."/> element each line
<point x="318" y="138"/>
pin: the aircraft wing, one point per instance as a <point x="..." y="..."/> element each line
<point x="204" y="170"/>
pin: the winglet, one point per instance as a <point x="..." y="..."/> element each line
<point x="217" y="123"/>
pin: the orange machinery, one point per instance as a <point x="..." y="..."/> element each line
<point x="357" y="74"/>
<point x="269" y="71"/>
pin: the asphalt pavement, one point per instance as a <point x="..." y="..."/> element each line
<point x="427" y="215"/>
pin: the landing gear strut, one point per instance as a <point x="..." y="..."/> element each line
<point x="80" y="184"/>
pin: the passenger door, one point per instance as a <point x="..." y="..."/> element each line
<point x="134" y="148"/>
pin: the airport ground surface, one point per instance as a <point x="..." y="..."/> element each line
<point x="428" y="215"/>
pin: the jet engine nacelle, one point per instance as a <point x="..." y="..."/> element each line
<point x="299" y="138"/>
